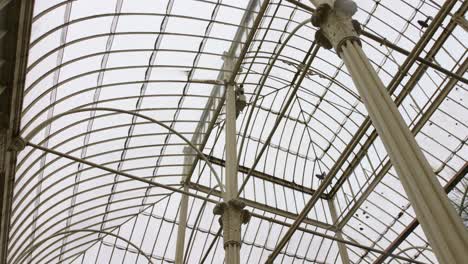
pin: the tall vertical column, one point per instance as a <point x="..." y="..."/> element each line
<point x="231" y="216"/>
<point x="231" y="209"/>
<point x="5" y="189"/>
<point x="442" y="226"/>
<point x="180" y="245"/>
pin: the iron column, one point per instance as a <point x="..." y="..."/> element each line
<point x="442" y="226"/>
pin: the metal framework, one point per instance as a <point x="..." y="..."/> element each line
<point x="206" y="131"/>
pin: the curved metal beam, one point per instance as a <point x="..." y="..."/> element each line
<point x="38" y="244"/>
<point x="74" y="111"/>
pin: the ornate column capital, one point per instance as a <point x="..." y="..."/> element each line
<point x="336" y="24"/>
<point x="232" y="215"/>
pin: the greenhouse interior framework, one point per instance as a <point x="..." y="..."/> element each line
<point x="227" y="131"/>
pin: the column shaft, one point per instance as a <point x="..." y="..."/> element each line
<point x="442" y="226"/>
<point x="180" y="246"/>
<point x="231" y="217"/>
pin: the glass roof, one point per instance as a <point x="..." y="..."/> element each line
<point x="99" y="72"/>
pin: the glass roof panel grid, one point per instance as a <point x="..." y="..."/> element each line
<point x="162" y="66"/>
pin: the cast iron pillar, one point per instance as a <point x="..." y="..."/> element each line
<point x="231" y="216"/>
<point x="441" y="224"/>
<point x="180" y="244"/>
<point x="231" y="210"/>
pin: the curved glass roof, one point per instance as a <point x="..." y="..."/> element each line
<point x="125" y="84"/>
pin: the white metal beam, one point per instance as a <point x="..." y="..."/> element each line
<point x="341" y="247"/>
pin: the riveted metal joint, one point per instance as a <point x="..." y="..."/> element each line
<point x="245" y="216"/>
<point x="318" y="18"/>
<point x="320" y="15"/>
<point x="219" y="208"/>
<point x="17" y="144"/>
<point x="322" y="40"/>
<point x="241" y="100"/>
<point x="357" y="26"/>
<point x="237" y="204"/>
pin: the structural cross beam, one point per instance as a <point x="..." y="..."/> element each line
<point x="267" y="177"/>
<point x="262" y="207"/>
<point x="275" y="220"/>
